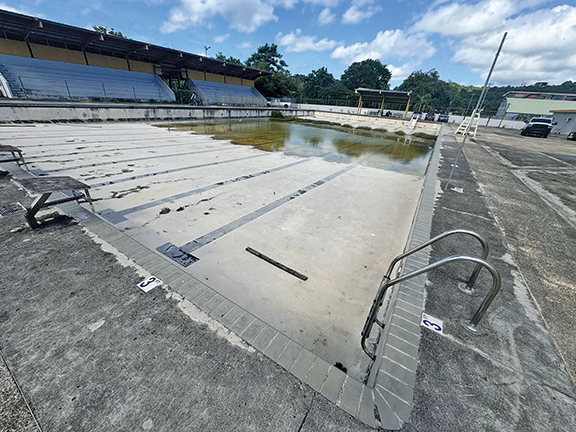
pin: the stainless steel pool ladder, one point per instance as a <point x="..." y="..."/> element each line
<point x="467" y="287"/>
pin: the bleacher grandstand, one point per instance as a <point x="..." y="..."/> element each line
<point x="45" y="60"/>
<point x="212" y="93"/>
<point x="45" y="79"/>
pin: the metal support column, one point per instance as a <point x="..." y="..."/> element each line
<point x="382" y="105"/>
<point x="407" y="105"/>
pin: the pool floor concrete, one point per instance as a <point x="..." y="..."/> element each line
<point x="340" y="224"/>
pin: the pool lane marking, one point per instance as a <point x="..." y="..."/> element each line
<point x="44" y="136"/>
<point x="125" y="179"/>
<point x="170" y="249"/>
<point x="173" y="170"/>
<point x="186" y="194"/>
<point x="113" y="149"/>
<point x="131" y="160"/>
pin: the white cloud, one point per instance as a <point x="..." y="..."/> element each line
<point x="539" y="46"/>
<point x="466" y="19"/>
<point x="11" y="9"/>
<point x="326" y="17"/>
<point x="295" y="42"/>
<point x="389" y="43"/>
<point x="413" y="49"/>
<point x="242" y="15"/>
<point x="326" y="3"/>
<point x="244" y="45"/>
<point x="289" y="4"/>
<point x="221" y="38"/>
<point x="400" y="73"/>
<point x="354" y="14"/>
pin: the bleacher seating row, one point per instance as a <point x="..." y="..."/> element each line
<point x="46" y="79"/>
<point x="212" y="93"/>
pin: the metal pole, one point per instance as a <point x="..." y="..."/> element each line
<point x="480" y="100"/>
<point x="68" y="88"/>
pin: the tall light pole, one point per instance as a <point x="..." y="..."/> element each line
<point x="206" y="48"/>
<point x="480" y="100"/>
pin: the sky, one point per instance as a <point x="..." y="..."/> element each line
<point x="457" y="38"/>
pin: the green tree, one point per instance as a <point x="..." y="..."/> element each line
<point x="281" y="84"/>
<point x="368" y="74"/>
<point x="230" y="59"/>
<point x="267" y="58"/>
<point x="428" y="90"/>
<point x="317" y="82"/>
<point x="300" y="82"/>
<point x="108" y="31"/>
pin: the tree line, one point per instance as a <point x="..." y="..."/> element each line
<point x="429" y="92"/>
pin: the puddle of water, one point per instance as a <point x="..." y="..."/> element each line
<point x="401" y="154"/>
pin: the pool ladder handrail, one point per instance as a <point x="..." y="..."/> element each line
<point x="467" y="287"/>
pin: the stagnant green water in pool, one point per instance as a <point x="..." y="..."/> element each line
<point x="401" y="154"/>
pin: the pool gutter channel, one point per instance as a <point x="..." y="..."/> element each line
<point x="393" y="403"/>
<point x="413" y="292"/>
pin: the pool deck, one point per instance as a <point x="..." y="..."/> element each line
<point x="182" y="370"/>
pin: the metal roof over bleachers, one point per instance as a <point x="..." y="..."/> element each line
<point x="40" y="31"/>
<point x="391" y="96"/>
<point x="383" y="97"/>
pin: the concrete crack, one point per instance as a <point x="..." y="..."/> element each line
<point x="307" y="412"/>
<point x="21" y="392"/>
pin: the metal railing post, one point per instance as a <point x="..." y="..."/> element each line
<point x="68" y="88"/>
<point x="23" y="88"/>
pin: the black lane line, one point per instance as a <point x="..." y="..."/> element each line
<point x="188" y="248"/>
<point x="204" y="189"/>
<point x="130" y="160"/>
<point x="173" y="170"/>
<point x="122" y="180"/>
<point x="111" y="149"/>
<point x="100" y="141"/>
<point x="43" y="136"/>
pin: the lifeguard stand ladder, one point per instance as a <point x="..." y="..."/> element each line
<point x="473" y="126"/>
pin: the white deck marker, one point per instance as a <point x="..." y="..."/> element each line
<point x="149" y="284"/>
<point x="432" y="323"/>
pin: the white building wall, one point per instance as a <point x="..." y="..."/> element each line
<point x="566" y="123"/>
<point x="537" y="106"/>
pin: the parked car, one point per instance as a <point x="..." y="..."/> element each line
<point x="430" y="116"/>
<point x="443" y="118"/>
<point x="571" y="136"/>
<point x="537" y="126"/>
<point x="417" y="114"/>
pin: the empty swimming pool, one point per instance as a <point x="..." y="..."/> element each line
<point x="333" y="205"/>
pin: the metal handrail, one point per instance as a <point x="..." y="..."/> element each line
<point x="465" y="287"/>
<point x="471" y="324"/>
<point x="468" y="287"/>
